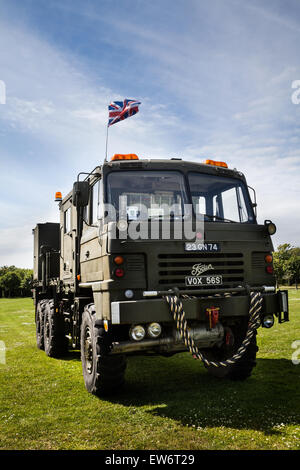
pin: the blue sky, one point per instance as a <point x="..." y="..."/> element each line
<point x="215" y="81"/>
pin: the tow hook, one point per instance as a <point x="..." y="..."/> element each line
<point x="213" y="316"/>
<point x="229" y="338"/>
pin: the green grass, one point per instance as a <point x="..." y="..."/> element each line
<point x="167" y="403"/>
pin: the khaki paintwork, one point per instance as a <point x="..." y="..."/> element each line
<point x="96" y="251"/>
<point x="90" y="278"/>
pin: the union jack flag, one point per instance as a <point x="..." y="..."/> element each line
<point x="119" y="110"/>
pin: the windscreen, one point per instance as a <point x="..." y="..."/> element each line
<point x="148" y="194"/>
<point x="220" y="199"/>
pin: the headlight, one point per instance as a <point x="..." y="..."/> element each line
<point x="137" y="332"/>
<point x="154" y="330"/>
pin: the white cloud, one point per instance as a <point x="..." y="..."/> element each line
<point x="53" y="103"/>
<point x="219" y="98"/>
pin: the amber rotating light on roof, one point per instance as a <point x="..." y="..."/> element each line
<point x="214" y="163"/>
<point x="127" y="156"/>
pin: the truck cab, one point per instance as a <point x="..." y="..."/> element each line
<point x="132" y="234"/>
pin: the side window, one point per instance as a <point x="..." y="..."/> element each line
<point x="67" y="220"/>
<point x="242" y="206"/>
<point x="95" y="203"/>
<point x="201" y="205"/>
<point x="230" y="203"/>
<point x="217" y="209"/>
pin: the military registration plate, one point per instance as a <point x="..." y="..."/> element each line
<point x="200" y="246"/>
<point x="203" y="281"/>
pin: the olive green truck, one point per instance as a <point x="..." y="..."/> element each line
<point x="155" y="257"/>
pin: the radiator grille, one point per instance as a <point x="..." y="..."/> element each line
<point x="172" y="268"/>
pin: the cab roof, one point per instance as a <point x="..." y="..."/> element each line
<point x="171" y="164"/>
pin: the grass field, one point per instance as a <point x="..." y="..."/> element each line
<point x="167" y="403"/>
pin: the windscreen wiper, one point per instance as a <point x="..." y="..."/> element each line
<point x="213" y="217"/>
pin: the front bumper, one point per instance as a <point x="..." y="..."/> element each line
<point x="237" y="305"/>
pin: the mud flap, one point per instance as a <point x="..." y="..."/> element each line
<point x="283" y="311"/>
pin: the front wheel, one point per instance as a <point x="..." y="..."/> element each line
<point x="233" y="338"/>
<point x="103" y="373"/>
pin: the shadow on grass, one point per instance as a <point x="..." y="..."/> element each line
<point x="180" y="388"/>
<point x="72" y="355"/>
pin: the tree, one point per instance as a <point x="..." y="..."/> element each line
<point x="26" y="284"/>
<point x="10" y="283"/>
<point x="293" y="269"/>
<point x="286" y="261"/>
<point x="15" y="281"/>
<point x="280" y="258"/>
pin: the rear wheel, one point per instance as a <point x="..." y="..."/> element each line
<point x="103" y="373"/>
<point x="243" y="367"/>
<point x="55" y="341"/>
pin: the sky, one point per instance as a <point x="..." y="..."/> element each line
<point x="215" y="80"/>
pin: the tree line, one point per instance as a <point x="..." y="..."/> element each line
<point x="15" y="282"/>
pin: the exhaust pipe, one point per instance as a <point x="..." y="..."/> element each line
<point x="203" y="338"/>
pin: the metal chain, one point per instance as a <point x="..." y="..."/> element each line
<point x="178" y="313"/>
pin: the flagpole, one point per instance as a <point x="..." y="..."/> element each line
<point x="105" y="160"/>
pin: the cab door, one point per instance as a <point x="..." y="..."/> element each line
<point x="68" y="233"/>
<point x="90" y="248"/>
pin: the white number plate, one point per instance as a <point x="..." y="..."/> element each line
<point x="203" y="281"/>
<point x="205" y="247"/>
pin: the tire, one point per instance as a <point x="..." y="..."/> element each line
<point x="242" y="368"/>
<point x="55" y="341"/>
<point x="103" y="373"/>
<point x="39" y="324"/>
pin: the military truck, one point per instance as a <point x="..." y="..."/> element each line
<point x="102" y="289"/>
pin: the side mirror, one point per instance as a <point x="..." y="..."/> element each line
<point x="81" y="193"/>
<point x="253" y="201"/>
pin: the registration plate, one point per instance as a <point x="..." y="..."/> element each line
<point x="203" y="281"/>
<point x="204" y="247"/>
